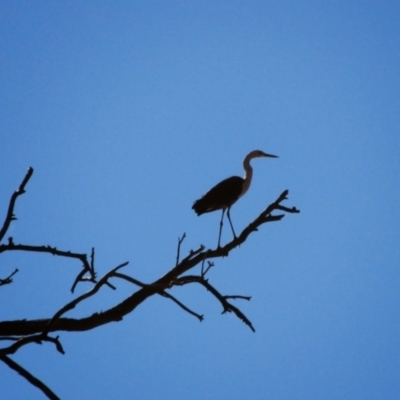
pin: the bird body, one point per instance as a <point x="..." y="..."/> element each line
<point x="223" y="195"/>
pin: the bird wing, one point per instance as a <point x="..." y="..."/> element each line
<point x="221" y="196"/>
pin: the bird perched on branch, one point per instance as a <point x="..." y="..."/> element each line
<point x="223" y="195"/>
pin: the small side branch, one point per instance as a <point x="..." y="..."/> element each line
<point x="8" y="280"/>
<point x="238" y="296"/>
<point x="160" y="290"/>
<point x="227" y="307"/>
<point x="205" y="270"/>
<point x="180" y="304"/>
<point x="93" y="273"/>
<point x="72" y="304"/>
<point x="178" y="250"/>
<point x="31" y="339"/>
<point x="29" y="377"/>
<point x="46" y="249"/>
<point x="87" y="268"/>
<point x="192" y="254"/>
<point x="10" y="213"/>
<point x="276" y="205"/>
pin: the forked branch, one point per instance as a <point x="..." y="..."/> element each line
<point x="23" y="332"/>
<point x="166" y="282"/>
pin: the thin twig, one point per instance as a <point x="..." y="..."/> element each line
<point x="79" y="278"/>
<point x="46" y="249"/>
<point x="8" y="280"/>
<point x="56" y="252"/>
<point x="210" y="265"/>
<point x="72" y="304"/>
<point x="193" y="253"/>
<point x="92" y="263"/>
<point x="10" y="213"/>
<point x="227" y="307"/>
<point x="129" y="279"/>
<point x="287" y="209"/>
<point x="237" y="296"/>
<point x="180" y="304"/>
<point x="202" y="267"/>
<point x="29" y="377"/>
<point x="178" y="250"/>
<point x="31" y="339"/>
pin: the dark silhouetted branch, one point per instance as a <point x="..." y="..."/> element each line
<point x="31" y="339"/>
<point x="29" y="377"/>
<point x="162" y="293"/>
<point x="117" y="313"/>
<point x="178" y="250"/>
<point x="10" y="213"/>
<point x="24" y="332"/>
<point x="8" y="280"/>
<point x="227" y="307"/>
<point x="205" y="270"/>
<point x="49" y="250"/>
<point x="180" y="304"/>
<point x="72" y="304"/>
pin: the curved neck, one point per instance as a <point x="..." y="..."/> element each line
<point x="248" y="175"/>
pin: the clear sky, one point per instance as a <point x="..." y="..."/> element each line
<point x="129" y="111"/>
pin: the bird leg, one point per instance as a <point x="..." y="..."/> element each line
<point x="220" y="227"/>
<point x="229" y="218"/>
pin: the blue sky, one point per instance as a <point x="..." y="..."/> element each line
<point x="128" y="112"/>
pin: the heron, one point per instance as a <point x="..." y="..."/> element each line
<point x="224" y="194"/>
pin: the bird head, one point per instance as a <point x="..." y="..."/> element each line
<point x="259" y="153"/>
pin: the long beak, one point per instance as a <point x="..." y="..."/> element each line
<point x="270" y="155"/>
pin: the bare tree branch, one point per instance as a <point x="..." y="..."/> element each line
<point x="118" y="312"/>
<point x="180" y="304"/>
<point x="31" y="339"/>
<point x="8" y="280"/>
<point x="162" y="293"/>
<point x="47" y="249"/>
<point x="10" y="213"/>
<point x="130" y="279"/>
<point x="227" y="307"/>
<point x="24" y="332"/>
<point x="29" y="377"/>
<point x="209" y="266"/>
<point x="237" y="296"/>
<point x="178" y="250"/>
<point x="193" y="253"/>
<point x="72" y="304"/>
